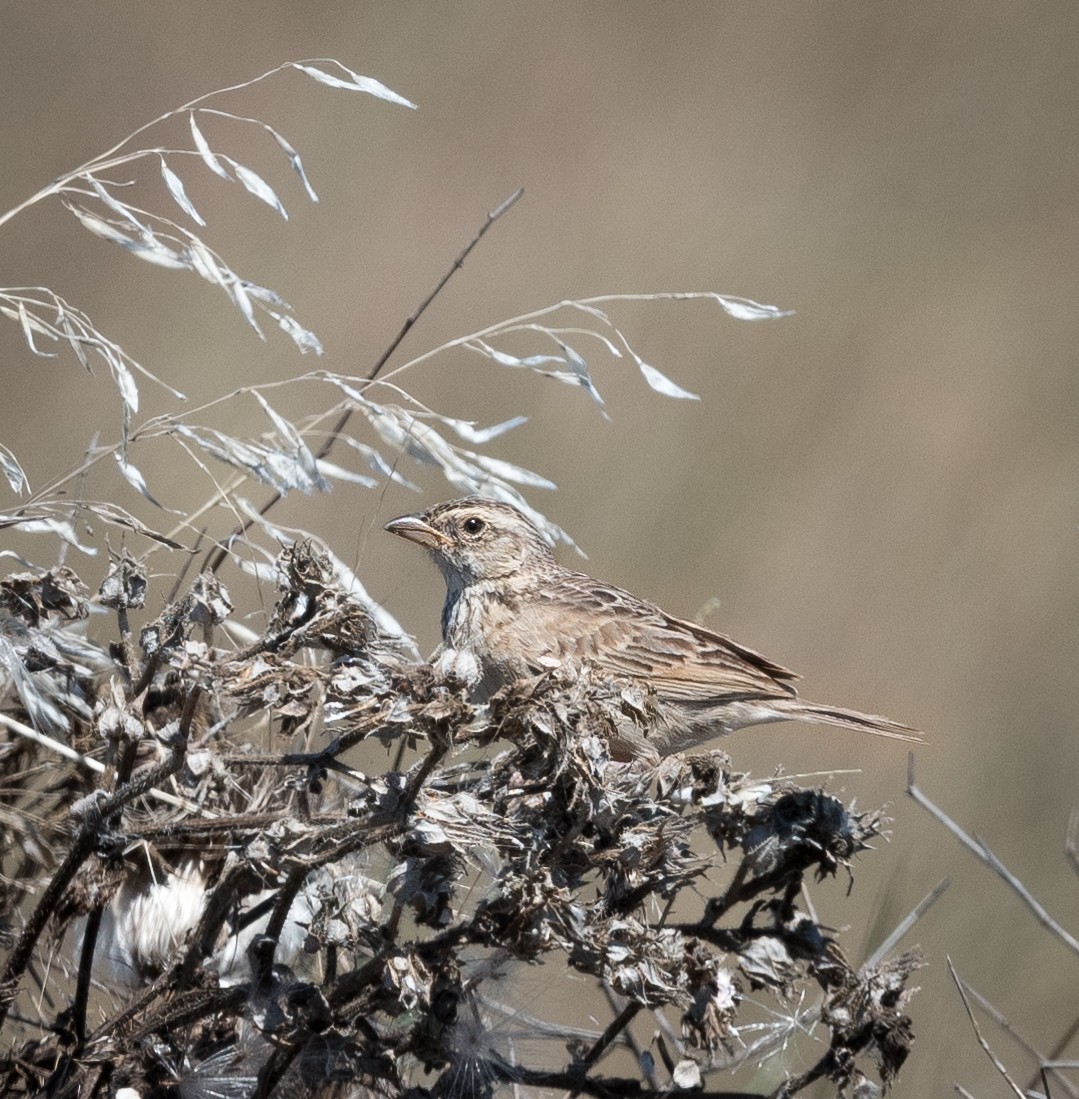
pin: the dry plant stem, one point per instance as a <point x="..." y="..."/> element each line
<point x="978" y="1034"/>
<point x="68" y="178"/>
<point x="525" y="322"/>
<point x="286" y="894"/>
<point x="324" y="757"/>
<point x="151" y="668"/>
<point x="429" y="763"/>
<point x="741" y="891"/>
<point x="129" y="659"/>
<point x="136" y="1018"/>
<point x="70" y="1079"/>
<point x="458" y="263"/>
<point x="86" y="837"/>
<point x="1064" y="1042"/>
<point x="664" y="1052"/>
<point x="82" y="988"/>
<point x="239" y="880"/>
<point x="667" y="1037"/>
<point x="354" y="983"/>
<point x="599" y="1087"/>
<point x="194" y="831"/>
<point x="399" y="754"/>
<point x="91" y="764"/>
<point x="185" y="1009"/>
<point x="215" y="559"/>
<point x="112" y="158"/>
<point x="616" y="1026"/>
<point x="39" y="917"/>
<point x="906" y="924"/>
<point x="631" y="1041"/>
<point x="795" y="1084"/>
<point x="277" y="1064"/>
<point x="80" y="493"/>
<point x="1070" y="848"/>
<point x="19" y="728"/>
<point x="1002" y="1021"/>
<point x="979" y="847"/>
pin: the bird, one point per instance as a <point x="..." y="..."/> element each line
<point x="513" y="611"/>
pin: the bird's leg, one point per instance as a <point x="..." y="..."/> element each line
<point x="458" y="664"/>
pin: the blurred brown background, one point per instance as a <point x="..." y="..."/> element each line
<point x="879" y="490"/>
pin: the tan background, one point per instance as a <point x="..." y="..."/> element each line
<point x="879" y="490"/>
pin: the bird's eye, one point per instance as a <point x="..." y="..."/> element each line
<point x="473" y="525"/>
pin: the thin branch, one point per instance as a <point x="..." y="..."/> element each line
<point x="981" y="849"/>
<point x="59" y="748"/>
<point x="215" y="560"/>
<point x="978" y="1034"/>
<point x="458" y="263"/>
<point x="98" y="810"/>
<point x="601" y="1087"/>
<point x="904" y="925"/>
<point x="1063" y="1042"/>
<point x="638" y="1052"/>
<point x="82" y="987"/>
<point x="277" y="1064"/>
<point x="56" y="746"/>
<point x="616" y="1026"/>
<point x="1002" y="1021"/>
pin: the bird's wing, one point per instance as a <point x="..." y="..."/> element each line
<point x="627" y="636"/>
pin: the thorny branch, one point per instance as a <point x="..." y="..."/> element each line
<point x="299" y="914"/>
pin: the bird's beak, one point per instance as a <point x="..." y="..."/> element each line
<point x="417" y="529"/>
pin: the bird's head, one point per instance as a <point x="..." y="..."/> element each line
<point x="474" y="540"/>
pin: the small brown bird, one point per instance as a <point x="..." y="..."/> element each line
<point x="512" y="610"/>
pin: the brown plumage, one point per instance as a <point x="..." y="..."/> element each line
<point x="512" y="610"/>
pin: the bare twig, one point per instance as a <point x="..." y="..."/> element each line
<point x="614" y="1028"/>
<point x="57" y="747"/>
<point x="1062" y="1043"/>
<point x="216" y="558"/>
<point x="21" y="729"/>
<point x="277" y="1064"/>
<point x="87" y="836"/>
<point x="978" y="1034"/>
<point x="981" y="849"/>
<point x="906" y="924"/>
<point x="1002" y="1021"/>
<point x="458" y="263"/>
<point x="634" y="1045"/>
<point x="1070" y="845"/>
<point x="82" y="988"/>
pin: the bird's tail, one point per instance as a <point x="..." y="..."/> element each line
<point x="846" y="719"/>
